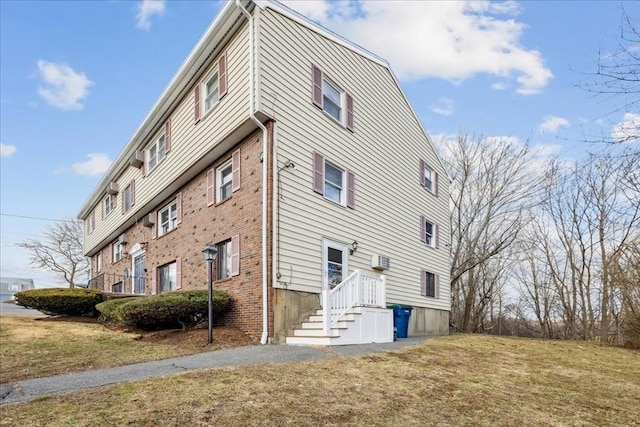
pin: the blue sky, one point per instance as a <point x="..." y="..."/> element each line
<point x="78" y="77"/>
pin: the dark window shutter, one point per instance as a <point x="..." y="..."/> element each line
<point x="423" y="283"/>
<point x="318" y="173"/>
<point x="423" y="237"/>
<point x="435" y="183"/>
<point x="317" y="86"/>
<point x="437" y="286"/>
<point x="436" y="236"/>
<point x="422" y="172"/>
<point x="196" y="103"/>
<point x="222" y="76"/>
<point x="133" y="192"/>
<point x="351" y="190"/>
<point x="235" y="255"/>
<point x="235" y="171"/>
<point x="211" y="189"/>
<point x="167" y="136"/>
<point x="350" y="113"/>
<point x="122" y="201"/>
<point x="178" y="273"/>
<point x="179" y="208"/>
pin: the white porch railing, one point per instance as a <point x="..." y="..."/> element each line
<point x="356" y="290"/>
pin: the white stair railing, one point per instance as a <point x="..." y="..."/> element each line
<point x="356" y="290"/>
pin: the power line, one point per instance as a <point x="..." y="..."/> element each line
<point x="38" y="218"/>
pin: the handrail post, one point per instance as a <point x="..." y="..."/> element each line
<point x="383" y="291"/>
<point x="358" y="291"/>
<point x="326" y="311"/>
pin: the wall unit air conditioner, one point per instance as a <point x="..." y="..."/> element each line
<point x="113" y="188"/>
<point x="380" y="262"/>
<point x="122" y="239"/>
<point x="137" y="159"/>
<point x="149" y="220"/>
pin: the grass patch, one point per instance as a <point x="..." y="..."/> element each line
<point x="37" y="348"/>
<point x="461" y="380"/>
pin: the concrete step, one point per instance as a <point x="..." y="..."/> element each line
<point x="342" y="324"/>
<point x="316" y="332"/>
<point x="310" y="340"/>
<point x="350" y="317"/>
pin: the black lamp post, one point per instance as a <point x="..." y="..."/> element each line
<point x="210" y="253"/>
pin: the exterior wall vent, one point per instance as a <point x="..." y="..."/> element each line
<point x="380" y="262"/>
<point x="122" y="239"/>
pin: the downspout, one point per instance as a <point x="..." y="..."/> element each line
<point x="265" y="158"/>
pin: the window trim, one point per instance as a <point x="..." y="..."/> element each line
<point x="177" y="280"/>
<point x="114" y="245"/>
<point x="343" y="183"/>
<point x="213" y="74"/>
<point x="435" y="233"/>
<point x="167" y="207"/>
<point x="113" y="200"/>
<point x="424" y="285"/>
<point x="218" y="180"/>
<point x="342" y="95"/>
<point x="155" y="144"/>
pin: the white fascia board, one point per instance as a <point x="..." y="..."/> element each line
<point x="229" y="13"/>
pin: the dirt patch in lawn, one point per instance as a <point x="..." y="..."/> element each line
<point x="196" y="339"/>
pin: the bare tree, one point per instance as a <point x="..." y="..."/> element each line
<point x="617" y="75"/>
<point x="490" y="191"/>
<point x="60" y="250"/>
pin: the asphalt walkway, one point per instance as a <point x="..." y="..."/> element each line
<point x="250" y="355"/>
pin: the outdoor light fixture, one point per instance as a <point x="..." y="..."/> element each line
<point x="210" y="253"/>
<point x="354" y="247"/>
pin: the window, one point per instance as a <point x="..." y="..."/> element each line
<point x="428" y="177"/>
<point x="108" y="205"/>
<point x="429" y="284"/>
<point x="168" y="277"/>
<point x="211" y="91"/>
<point x="224" y="178"/>
<point x="91" y="223"/>
<point x="429" y="232"/>
<point x="333" y="100"/>
<point x="228" y="259"/>
<point x="223" y="267"/>
<point x="117" y="288"/>
<point x="168" y="218"/>
<point x="117" y="250"/>
<point x="334" y="183"/>
<point x="156" y="153"/>
<point x="99" y="262"/>
<point x="128" y="197"/>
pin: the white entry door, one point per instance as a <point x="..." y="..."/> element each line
<point x="335" y="266"/>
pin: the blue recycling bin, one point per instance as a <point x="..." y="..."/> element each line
<point x="401" y="315"/>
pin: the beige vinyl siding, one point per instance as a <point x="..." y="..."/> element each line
<point x="383" y="152"/>
<point x="189" y="142"/>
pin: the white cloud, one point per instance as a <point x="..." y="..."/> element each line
<point x="97" y="164"/>
<point x="444" y="107"/>
<point x="62" y="87"/>
<point x="7" y="150"/>
<point x="551" y="124"/>
<point x="628" y="129"/>
<point x="146" y="9"/>
<point x="449" y="40"/>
